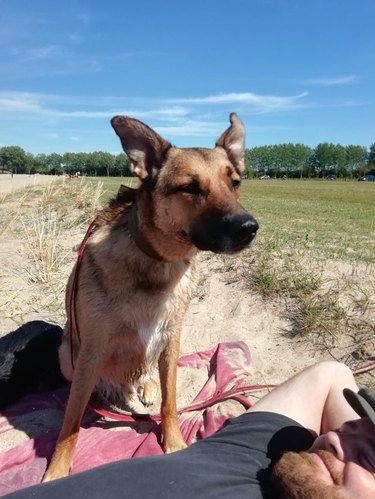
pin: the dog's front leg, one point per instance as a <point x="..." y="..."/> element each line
<point x="84" y="379"/>
<point x="172" y="438"/>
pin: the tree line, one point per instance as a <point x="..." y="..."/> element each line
<point x="99" y="163"/>
<point x="280" y="161"/>
<point x="301" y="161"/>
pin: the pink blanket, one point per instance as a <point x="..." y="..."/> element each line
<point x="101" y="441"/>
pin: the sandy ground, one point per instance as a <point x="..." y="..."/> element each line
<point x="222" y="310"/>
<point x="9" y="182"/>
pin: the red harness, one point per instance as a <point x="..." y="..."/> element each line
<point x="72" y="296"/>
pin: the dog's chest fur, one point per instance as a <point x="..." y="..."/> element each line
<point x="159" y="305"/>
<point x="137" y="302"/>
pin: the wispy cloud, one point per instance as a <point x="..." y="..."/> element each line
<point x="46" y="52"/>
<point x="333" y="81"/>
<point x="28" y="62"/>
<point x="159" y="109"/>
<point x="19" y="102"/>
<point x="192" y="128"/>
<point x="258" y="102"/>
<point x="40" y="104"/>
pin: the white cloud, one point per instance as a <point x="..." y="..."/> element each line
<point x="75" y="139"/>
<point x="192" y="128"/>
<point x="172" y="110"/>
<point x="39" y="104"/>
<point x="328" y="82"/>
<point x="260" y="103"/>
<point x="19" y="102"/>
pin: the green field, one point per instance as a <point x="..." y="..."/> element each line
<point x="336" y="219"/>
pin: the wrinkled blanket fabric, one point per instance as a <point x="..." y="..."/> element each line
<point x="37" y="419"/>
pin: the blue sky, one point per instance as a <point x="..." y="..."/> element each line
<point x="294" y="70"/>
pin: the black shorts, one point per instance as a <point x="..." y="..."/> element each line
<point x="231" y="464"/>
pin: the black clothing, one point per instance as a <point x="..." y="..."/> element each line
<point x="231" y="464"/>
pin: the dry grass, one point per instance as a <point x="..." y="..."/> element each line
<point x="332" y="312"/>
<point x="44" y="222"/>
<point x="9" y="210"/>
<point x="43" y="234"/>
<point x="59" y="206"/>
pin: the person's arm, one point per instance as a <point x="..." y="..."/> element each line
<point x="313" y="397"/>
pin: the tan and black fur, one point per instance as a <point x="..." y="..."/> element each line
<point x="138" y="271"/>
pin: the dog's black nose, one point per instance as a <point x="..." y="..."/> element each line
<point x="243" y="228"/>
<point x="224" y="233"/>
<point x="248" y="227"/>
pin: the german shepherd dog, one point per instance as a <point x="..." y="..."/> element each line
<point x="138" y="270"/>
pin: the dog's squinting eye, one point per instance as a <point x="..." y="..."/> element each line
<point x="236" y="184"/>
<point x="192" y="189"/>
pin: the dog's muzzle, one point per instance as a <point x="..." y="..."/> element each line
<point x="227" y="233"/>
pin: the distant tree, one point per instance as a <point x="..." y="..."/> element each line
<point x="54" y="162"/>
<point x="91" y="166"/>
<point x="278" y="160"/>
<point x="296" y="160"/>
<point x="323" y="159"/>
<point x="81" y="161"/>
<point x="356" y="160"/>
<point x="13" y="159"/>
<point x="371" y="156"/>
<point x="68" y="163"/>
<point x="121" y="165"/>
<point x="259" y="160"/>
<point x="339" y="165"/>
<point x="102" y="163"/>
<point x="251" y="167"/>
<point x="39" y="164"/>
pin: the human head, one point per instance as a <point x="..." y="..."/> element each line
<point x="339" y="465"/>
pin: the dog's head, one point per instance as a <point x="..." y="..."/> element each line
<point x="195" y="190"/>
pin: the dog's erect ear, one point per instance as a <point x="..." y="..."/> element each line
<point x="144" y="147"/>
<point x="233" y="141"/>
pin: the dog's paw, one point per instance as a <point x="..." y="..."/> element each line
<point x="54" y="474"/>
<point x="147" y="392"/>
<point x="173" y="445"/>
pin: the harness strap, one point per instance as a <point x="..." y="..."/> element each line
<point x="142" y="243"/>
<point x="236" y="393"/>
<point x="72" y="297"/>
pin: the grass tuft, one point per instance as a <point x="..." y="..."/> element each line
<point x="59" y="207"/>
<point x="319" y="317"/>
<point x="43" y="233"/>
